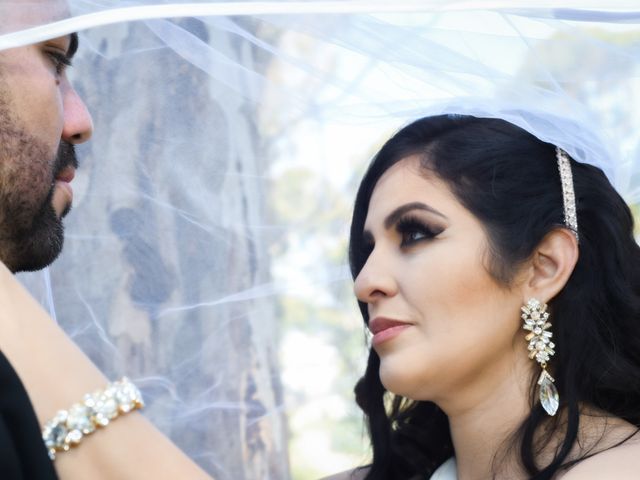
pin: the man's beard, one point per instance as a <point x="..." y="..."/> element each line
<point x="41" y="242"/>
<point x="31" y="233"/>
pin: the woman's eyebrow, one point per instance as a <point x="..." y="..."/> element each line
<point x="394" y="216"/>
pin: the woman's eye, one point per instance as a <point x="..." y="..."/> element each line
<point x="367" y="249"/>
<point x="413" y="236"/>
<point x="412" y="231"/>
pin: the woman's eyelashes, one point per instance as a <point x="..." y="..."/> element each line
<point x="413" y="230"/>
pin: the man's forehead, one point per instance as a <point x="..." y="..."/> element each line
<point x="17" y="15"/>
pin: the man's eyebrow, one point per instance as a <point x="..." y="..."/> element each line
<point x="73" y="45"/>
<point x="394" y="216"/>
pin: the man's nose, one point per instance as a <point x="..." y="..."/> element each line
<point x="78" y="124"/>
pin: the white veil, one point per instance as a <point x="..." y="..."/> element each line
<point x="206" y="254"/>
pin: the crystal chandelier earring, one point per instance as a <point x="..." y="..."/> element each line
<point x="535" y="318"/>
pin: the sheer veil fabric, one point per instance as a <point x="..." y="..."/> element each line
<point x="206" y="254"/>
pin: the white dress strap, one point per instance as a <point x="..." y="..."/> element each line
<point x="446" y="471"/>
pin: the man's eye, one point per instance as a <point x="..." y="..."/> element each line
<point x="60" y="61"/>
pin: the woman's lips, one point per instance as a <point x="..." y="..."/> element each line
<point x="385" y="329"/>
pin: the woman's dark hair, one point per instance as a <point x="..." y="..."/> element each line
<point x="509" y="180"/>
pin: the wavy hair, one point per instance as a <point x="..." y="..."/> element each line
<point x="509" y="180"/>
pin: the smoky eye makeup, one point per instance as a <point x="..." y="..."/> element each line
<point x="367" y="244"/>
<point x="413" y="229"/>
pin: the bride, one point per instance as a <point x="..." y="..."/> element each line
<point x="500" y="280"/>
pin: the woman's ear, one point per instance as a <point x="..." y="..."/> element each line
<point x="551" y="265"/>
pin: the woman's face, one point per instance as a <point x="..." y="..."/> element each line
<point x="442" y="325"/>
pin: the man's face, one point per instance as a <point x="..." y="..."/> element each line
<point x="41" y="118"/>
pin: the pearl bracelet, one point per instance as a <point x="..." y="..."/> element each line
<point x="97" y="409"/>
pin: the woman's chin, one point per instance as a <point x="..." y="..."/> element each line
<point x="398" y="379"/>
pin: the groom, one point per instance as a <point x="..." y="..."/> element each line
<point x="41" y="119"/>
<point x="41" y="369"/>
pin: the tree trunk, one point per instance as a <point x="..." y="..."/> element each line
<point x="162" y="240"/>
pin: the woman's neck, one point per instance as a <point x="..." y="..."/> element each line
<point x="482" y="418"/>
<point x="483" y="440"/>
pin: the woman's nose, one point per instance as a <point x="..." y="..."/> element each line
<point x="375" y="280"/>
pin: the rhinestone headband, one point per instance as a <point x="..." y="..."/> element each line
<point x="568" y="194"/>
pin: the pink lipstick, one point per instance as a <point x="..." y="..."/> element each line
<point x="384" y="329"/>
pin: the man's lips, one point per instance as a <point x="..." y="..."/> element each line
<point x="66" y="175"/>
<point x="62" y="191"/>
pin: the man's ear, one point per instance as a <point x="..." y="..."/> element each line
<point x="551" y="265"/>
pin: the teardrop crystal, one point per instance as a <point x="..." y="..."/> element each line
<point x="549" y="396"/>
